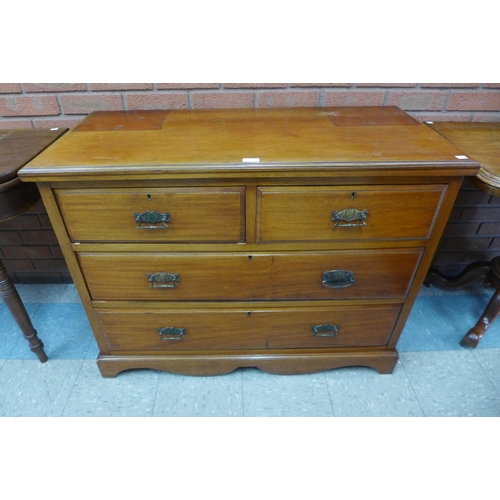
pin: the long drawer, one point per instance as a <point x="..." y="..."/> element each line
<point x="198" y="329"/>
<point x="308" y="213"/>
<point x="154" y="215"/>
<point x="238" y="276"/>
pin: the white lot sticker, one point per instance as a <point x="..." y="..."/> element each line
<point x="461" y="157"/>
<point x="250" y="160"/>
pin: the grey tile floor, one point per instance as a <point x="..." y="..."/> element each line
<point x="434" y="377"/>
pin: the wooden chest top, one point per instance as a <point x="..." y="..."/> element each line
<point x="149" y="144"/>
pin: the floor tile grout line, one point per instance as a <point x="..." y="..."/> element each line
<point x="329" y="394"/>
<point x="40" y="300"/>
<point x="412" y="388"/>
<point x="32" y="315"/>
<point x="484" y="371"/>
<point x="469" y="354"/>
<point x="156" y="394"/>
<point x="44" y="298"/>
<point x="72" y="388"/>
<point x="242" y="393"/>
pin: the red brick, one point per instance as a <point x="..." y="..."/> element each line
<point x="442" y="245"/>
<point x="320" y="84"/>
<point x="157" y="101"/>
<point x="450" y="85"/>
<point x="474" y="101"/>
<point x="482" y="214"/>
<point x="120" y="86"/>
<point x="38" y="208"/>
<point x="456" y="214"/>
<point x="10" y="88"/>
<point x="354" y="98"/>
<point x="395" y="85"/>
<point x="50" y="265"/>
<point x="28" y="106"/>
<point x="491" y="85"/>
<point x="66" y="277"/>
<point x="288" y="99"/>
<point x="441" y="258"/>
<point x="467" y="185"/>
<point x="478" y="256"/>
<point x="13" y="265"/>
<point x="57" y="122"/>
<point x="486" y="117"/>
<point x="440" y="117"/>
<point x="54" y="87"/>
<point x="209" y="100"/>
<point x="41" y="237"/>
<point x="6" y="124"/>
<point x="254" y="85"/>
<point x="423" y="101"/>
<point x="458" y="244"/>
<point x="45" y="221"/>
<point x="490" y="229"/>
<point x="56" y="252"/>
<point x="460" y="229"/>
<point x="186" y="86"/>
<point x="84" y="104"/>
<point x="28" y="252"/>
<point x="472" y="198"/>
<point x="21" y="222"/>
<point x="9" y="238"/>
<point x="35" y="277"/>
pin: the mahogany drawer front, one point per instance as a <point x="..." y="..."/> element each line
<point x="203" y="276"/>
<point x="237" y="276"/>
<point x="154" y="215"/>
<point x="197" y="329"/>
<point x="308" y="213"/>
<point x="344" y="274"/>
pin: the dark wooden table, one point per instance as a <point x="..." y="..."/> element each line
<point x="482" y="142"/>
<point x="18" y="147"/>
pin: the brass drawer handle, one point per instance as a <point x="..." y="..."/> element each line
<point x="152" y="217"/>
<point x="349" y="215"/>
<point x="166" y="280"/>
<point x="171" y="333"/>
<point x="325" y="330"/>
<point x="338" y="279"/>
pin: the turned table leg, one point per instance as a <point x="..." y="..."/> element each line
<point x="473" y="336"/>
<point x="489" y="273"/>
<point x="12" y="300"/>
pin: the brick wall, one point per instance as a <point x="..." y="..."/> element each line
<point x="472" y="232"/>
<point x="37" y="105"/>
<point x="27" y="243"/>
<point x="29" y="249"/>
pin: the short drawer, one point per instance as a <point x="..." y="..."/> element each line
<point x="238" y="276"/>
<point x="154" y="215"/>
<point x="198" y="329"/>
<point x="308" y="213"/>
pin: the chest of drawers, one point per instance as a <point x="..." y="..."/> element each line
<point x="292" y="240"/>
